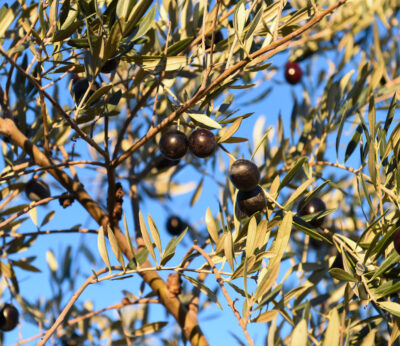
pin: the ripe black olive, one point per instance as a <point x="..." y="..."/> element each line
<point x="244" y="175"/>
<point x="252" y="201"/>
<point x="173" y="144"/>
<point x="202" y="142"/>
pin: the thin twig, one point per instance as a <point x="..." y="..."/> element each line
<point x="26" y="209"/>
<point x="94" y="313"/>
<point x="54" y="231"/>
<point x="220" y="281"/>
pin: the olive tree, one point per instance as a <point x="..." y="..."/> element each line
<point x="98" y="100"/>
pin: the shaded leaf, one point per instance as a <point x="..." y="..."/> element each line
<point x="115" y="247"/>
<point x="203" y="288"/>
<point x="101" y="244"/>
<point x="146" y="237"/>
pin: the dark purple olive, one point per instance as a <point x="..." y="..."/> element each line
<point x="173" y="144"/>
<point x="79" y="88"/>
<point x="36" y="189"/>
<point x="314" y="206"/>
<point x="244" y="175"/>
<point x="396" y="241"/>
<point x="217" y="38"/>
<point x="293" y="72"/>
<point x="8" y="317"/>
<point x="202" y="143"/>
<point x="252" y="201"/>
<point x="110" y="65"/>
<point x="175" y="225"/>
<point x="165" y="163"/>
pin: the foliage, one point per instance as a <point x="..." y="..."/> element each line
<point x="341" y="143"/>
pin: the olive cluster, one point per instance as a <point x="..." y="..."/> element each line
<point x="245" y="176"/>
<point x="174" y="144"/>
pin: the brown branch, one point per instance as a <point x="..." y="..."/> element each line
<point x="222" y="77"/>
<point x="220" y="281"/>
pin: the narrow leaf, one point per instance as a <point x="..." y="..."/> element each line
<point x="154" y="233"/>
<point x="332" y="337"/>
<point x="203" y="288"/>
<point x="205" y="120"/>
<point x="148" y="329"/>
<point x="101" y="244"/>
<point x="115" y="247"/>
<point x="146" y="236"/>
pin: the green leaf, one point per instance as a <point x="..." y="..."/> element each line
<point x="203" y="288"/>
<point x="393" y="142"/>
<point x="211" y="227"/>
<point x="136" y="15"/>
<point x="49" y="216"/>
<point x="266" y="316"/>
<point x="390" y="115"/>
<point x="289" y="175"/>
<point x="228" y="249"/>
<point x="148" y="329"/>
<point x="354" y="142"/>
<point x="278" y="248"/>
<point x="115" y="247"/>
<point x="392" y="307"/>
<point x="154" y="233"/>
<point x="197" y="193"/>
<point x="332" y="337"/>
<point x="260" y="142"/>
<point x="169" y="251"/>
<point x="98" y="93"/>
<point x="281" y="240"/>
<point x="7" y="16"/>
<point x="298" y="192"/>
<point x="124" y="8"/>
<point x="33" y="215"/>
<point x="114" y="39"/>
<point x="391" y="260"/>
<point x="127" y="235"/>
<point x="101" y="244"/>
<point x="342" y="275"/>
<point x="51" y="261"/>
<point x="205" y="120"/>
<point x="230" y="131"/>
<point x="146" y="237"/>
<point x="25" y="266"/>
<point x="299" y="335"/>
<point x="251" y="237"/>
<point x="159" y="64"/>
<point x="146" y="23"/>
<point x="239" y="18"/>
<point x="387" y="288"/>
<point x="179" y="46"/>
<point x="61" y="35"/>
